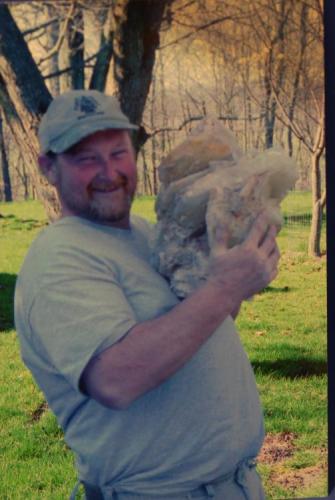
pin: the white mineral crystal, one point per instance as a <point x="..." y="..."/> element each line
<point x="208" y="184"/>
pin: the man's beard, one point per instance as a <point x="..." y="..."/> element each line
<point x="94" y="207"/>
<point x="103" y="213"/>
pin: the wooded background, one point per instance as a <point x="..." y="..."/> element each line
<point x="257" y="65"/>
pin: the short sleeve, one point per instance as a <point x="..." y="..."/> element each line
<point x="79" y="311"/>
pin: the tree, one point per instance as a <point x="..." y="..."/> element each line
<point x="301" y="109"/>
<point x="256" y="65"/>
<point x="4" y="164"/>
<point x="289" y="47"/>
<point x="135" y="40"/>
<point x="99" y="75"/>
<point x="25" y="98"/>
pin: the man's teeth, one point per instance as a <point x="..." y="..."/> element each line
<point x="107" y="189"/>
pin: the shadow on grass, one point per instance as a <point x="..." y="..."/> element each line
<point x="302" y="367"/>
<point x="7" y="286"/>
<point x="13" y="222"/>
<point x="276" y="289"/>
<point x="292" y="361"/>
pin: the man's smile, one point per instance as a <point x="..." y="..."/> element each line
<point x="106" y="188"/>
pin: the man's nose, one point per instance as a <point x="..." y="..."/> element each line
<point x="108" y="168"/>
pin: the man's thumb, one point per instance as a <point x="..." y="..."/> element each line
<point x="220" y="239"/>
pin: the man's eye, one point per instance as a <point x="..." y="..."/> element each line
<point x="119" y="153"/>
<point x="86" y="159"/>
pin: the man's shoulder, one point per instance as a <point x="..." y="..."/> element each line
<point x="51" y="246"/>
<point x="72" y="241"/>
<point x="55" y="235"/>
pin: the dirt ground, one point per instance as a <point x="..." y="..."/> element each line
<point x="279" y="447"/>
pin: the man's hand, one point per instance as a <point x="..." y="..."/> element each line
<point x="154" y="350"/>
<point x="249" y="267"/>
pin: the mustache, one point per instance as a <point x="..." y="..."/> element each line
<point x="109" y="185"/>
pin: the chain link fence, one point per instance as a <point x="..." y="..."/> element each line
<point x="299" y="219"/>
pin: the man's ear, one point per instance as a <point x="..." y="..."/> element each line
<point x="48" y="168"/>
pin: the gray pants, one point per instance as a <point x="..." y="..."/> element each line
<point x="242" y="484"/>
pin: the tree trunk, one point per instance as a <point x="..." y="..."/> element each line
<point x="21" y="172"/>
<point x="154" y="142"/>
<point x="275" y="70"/>
<point x="25" y="98"/>
<point x="147" y="184"/>
<point x="23" y="80"/>
<point x="135" y="42"/>
<point x="314" y="244"/>
<point x="4" y="165"/>
<point x="53" y="34"/>
<point x="102" y="65"/>
<point x="76" y="49"/>
<point x="63" y="63"/>
<point x="28" y="143"/>
<point x="269" y="105"/>
<point x="297" y="77"/>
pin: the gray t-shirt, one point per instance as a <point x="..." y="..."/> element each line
<point x="82" y="287"/>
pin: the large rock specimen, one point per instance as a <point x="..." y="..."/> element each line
<point x="208" y="184"/>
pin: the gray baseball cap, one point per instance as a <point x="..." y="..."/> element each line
<point x="76" y="114"/>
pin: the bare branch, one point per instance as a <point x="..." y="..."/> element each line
<point x="323" y="199"/>
<point x="202" y="117"/>
<point x="57" y="73"/>
<point x="176" y="129"/>
<point x="285" y="119"/>
<point x="239" y="118"/>
<point x="196" y="30"/>
<point x="61" y="37"/>
<point x="39" y="35"/>
<point x="316" y="103"/>
<point x="182" y="7"/>
<point x="304" y="109"/>
<point x="40" y="26"/>
<point x="319" y="142"/>
<point x="65" y="70"/>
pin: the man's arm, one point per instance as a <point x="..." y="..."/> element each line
<point x="154" y="350"/>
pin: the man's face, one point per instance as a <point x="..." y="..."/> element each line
<point x="96" y="178"/>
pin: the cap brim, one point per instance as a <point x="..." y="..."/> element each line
<point x="74" y="135"/>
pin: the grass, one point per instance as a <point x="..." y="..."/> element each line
<point x="284" y="333"/>
<point x="297" y="203"/>
<point x="283" y="330"/>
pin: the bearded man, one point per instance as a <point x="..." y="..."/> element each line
<point x="156" y="396"/>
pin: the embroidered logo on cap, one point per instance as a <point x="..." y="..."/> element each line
<point x="86" y="105"/>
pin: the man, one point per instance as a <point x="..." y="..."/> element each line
<point x="156" y="397"/>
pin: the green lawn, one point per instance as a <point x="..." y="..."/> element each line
<point x="297" y="203"/>
<point x="283" y="330"/>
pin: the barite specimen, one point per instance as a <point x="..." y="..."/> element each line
<point x="208" y="185"/>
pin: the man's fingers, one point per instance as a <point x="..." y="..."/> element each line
<point x="275" y="255"/>
<point x="273" y="261"/>
<point x="221" y="237"/>
<point x="269" y="242"/>
<point x="258" y="229"/>
<point x="273" y="274"/>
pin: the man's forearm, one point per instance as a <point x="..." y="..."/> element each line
<point x="154" y="350"/>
